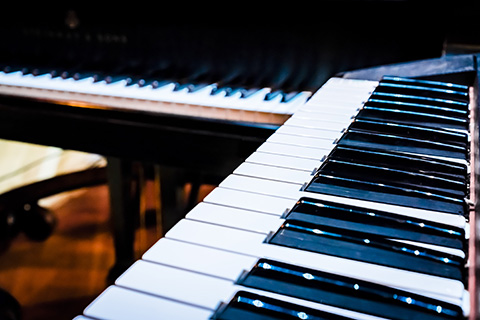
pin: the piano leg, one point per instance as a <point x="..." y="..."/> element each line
<point x="123" y="212"/>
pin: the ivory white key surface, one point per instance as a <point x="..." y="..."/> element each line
<point x="251" y="243"/>
<point x="283" y="161"/>
<point x="309" y="132"/>
<point x="301" y="141"/>
<point x="335" y="128"/>
<point x="326" y="124"/>
<point x="250" y="201"/>
<point x="297" y="151"/>
<point x="201" y="259"/>
<point x="117" y="303"/>
<point x="237" y="218"/>
<point x="276" y="173"/>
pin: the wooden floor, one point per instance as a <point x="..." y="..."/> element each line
<point x="59" y="277"/>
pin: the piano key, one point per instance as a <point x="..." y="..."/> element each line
<point x="419" y="107"/>
<point x="459" y="105"/>
<point x="308" y="132"/>
<point x="400" y="177"/>
<point x="206" y="260"/>
<point x="283" y="161"/>
<point x="301" y="141"/>
<point x="413" y="117"/>
<point x="117" y="303"/>
<point x="298" y="151"/>
<point x="258" y="307"/>
<point x="446" y="85"/>
<point x="412" y="89"/>
<point x="274" y="172"/>
<point x="406" y="145"/>
<point x="335" y="127"/>
<point x="387" y="193"/>
<point x="237" y="218"/>
<point x="421" y="164"/>
<point x="250" y="243"/>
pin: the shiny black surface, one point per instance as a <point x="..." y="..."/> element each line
<point x="368" y="247"/>
<point x="388" y="224"/>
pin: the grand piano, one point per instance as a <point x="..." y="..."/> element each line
<point x="201" y="101"/>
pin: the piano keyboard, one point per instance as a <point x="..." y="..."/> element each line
<point x="263" y="105"/>
<point x="354" y="209"/>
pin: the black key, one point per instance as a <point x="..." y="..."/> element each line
<point x="346" y="293"/>
<point x="274" y="94"/>
<point x="394" y="177"/>
<point x="441" y="103"/>
<point x="387" y="224"/>
<point x="247" y="305"/>
<point x="366" y="247"/>
<point x="439" y="136"/>
<point x="426" y="83"/>
<point x="358" y="138"/>
<point x="416" y="107"/>
<point x="414" y="118"/>
<point x="413" y="163"/>
<point x="409" y="87"/>
<point x="385" y="193"/>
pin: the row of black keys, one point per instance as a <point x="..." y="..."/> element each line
<point x="370" y="235"/>
<point x="401" y="152"/>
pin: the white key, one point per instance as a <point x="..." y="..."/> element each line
<point x="237" y="218"/>
<point x="305" y="123"/>
<point x="309" y="132"/>
<point x="276" y="173"/>
<point x="250" y="243"/>
<point x="117" y="303"/>
<point x="290" y="149"/>
<point x="338" y="124"/>
<point x="211" y="261"/>
<point x="301" y="141"/>
<point x="283" y="161"/>
<point x="249" y="201"/>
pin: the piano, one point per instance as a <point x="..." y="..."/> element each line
<point x="362" y="205"/>
<point x="193" y="95"/>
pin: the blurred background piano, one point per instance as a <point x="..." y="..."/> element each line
<point x="245" y="52"/>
